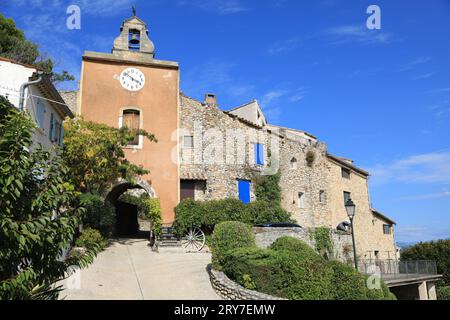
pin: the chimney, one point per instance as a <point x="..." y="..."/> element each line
<point x="210" y="99"/>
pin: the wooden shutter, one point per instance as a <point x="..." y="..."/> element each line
<point x="131" y="120"/>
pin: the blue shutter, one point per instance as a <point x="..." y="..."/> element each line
<point x="61" y="134"/>
<point x="259" y="154"/>
<point x="52" y="127"/>
<point x="244" y="191"/>
<point x="40" y="114"/>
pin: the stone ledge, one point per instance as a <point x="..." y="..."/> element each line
<point x="230" y="290"/>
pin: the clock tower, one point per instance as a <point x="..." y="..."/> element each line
<point x="129" y="87"/>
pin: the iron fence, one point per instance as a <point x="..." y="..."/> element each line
<point x="397" y="269"/>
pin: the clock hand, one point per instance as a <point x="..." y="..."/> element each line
<point x="132" y="78"/>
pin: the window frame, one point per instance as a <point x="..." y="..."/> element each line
<point x="140" y="144"/>
<point x="389" y="228"/>
<point x="347" y="171"/>
<point x="184" y="142"/>
<point x="259" y="154"/>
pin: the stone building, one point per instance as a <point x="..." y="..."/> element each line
<point x="207" y="153"/>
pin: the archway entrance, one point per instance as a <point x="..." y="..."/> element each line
<point x="128" y="223"/>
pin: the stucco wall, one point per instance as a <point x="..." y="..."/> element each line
<point x="103" y="98"/>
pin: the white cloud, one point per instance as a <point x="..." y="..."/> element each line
<point x="423" y="168"/>
<point x="218" y="6"/>
<point x="424" y="76"/>
<point x="421" y="233"/>
<point x="357" y="34"/>
<point x="443" y="194"/>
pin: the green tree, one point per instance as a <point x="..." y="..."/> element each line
<point x="15" y="46"/>
<point x="39" y="213"/>
<point x="94" y="154"/>
<point x="438" y="251"/>
<point x="268" y="188"/>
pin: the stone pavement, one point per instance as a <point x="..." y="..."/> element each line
<point x="129" y="270"/>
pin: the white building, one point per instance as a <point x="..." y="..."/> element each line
<point x="40" y="99"/>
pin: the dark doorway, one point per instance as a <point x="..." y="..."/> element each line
<point x="127" y="219"/>
<point x="187" y="189"/>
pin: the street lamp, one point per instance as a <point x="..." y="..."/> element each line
<point x="350" y="207"/>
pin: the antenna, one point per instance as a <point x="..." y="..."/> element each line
<point x="133" y="7"/>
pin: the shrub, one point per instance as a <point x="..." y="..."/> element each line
<point x="188" y="214"/>
<point x="379" y="294"/>
<point x="280" y="273"/>
<point x="91" y="239"/>
<point x="100" y="214"/>
<point x="227" y="236"/>
<point x="443" y="293"/>
<point x="302" y="250"/>
<point x="267" y="188"/>
<point x="259" y="212"/>
<point x="217" y="211"/>
<point x="347" y="283"/>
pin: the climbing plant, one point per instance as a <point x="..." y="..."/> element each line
<point x="324" y="244"/>
<point x="149" y="209"/>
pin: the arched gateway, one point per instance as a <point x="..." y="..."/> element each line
<point x="126" y="213"/>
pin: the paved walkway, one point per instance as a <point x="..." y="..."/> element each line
<point x="129" y="270"/>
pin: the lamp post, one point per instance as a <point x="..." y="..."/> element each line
<point x="350" y="207"/>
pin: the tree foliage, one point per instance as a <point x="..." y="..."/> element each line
<point x="267" y="188"/>
<point x="15" y="46"/>
<point x="39" y="212"/>
<point x="438" y="251"/>
<point x="94" y="153"/>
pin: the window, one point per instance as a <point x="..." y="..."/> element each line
<point x="322" y="196"/>
<point x="131" y="120"/>
<point x="377" y="254"/>
<point x="301" y="200"/>
<point x="386" y="229"/>
<point x="40" y="117"/>
<point x="259" y="154"/>
<point x="244" y="190"/>
<point x="188" y="142"/>
<point x="293" y="164"/>
<point x="57" y="137"/>
<point x="345" y="173"/>
<point x="134" y="40"/>
<point x="347" y="196"/>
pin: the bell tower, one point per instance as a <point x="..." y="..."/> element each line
<point x="133" y="39"/>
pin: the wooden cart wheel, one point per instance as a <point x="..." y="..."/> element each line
<point x="194" y="241"/>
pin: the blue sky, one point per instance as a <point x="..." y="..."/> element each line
<point x="380" y="97"/>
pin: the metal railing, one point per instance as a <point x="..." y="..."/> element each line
<point x="391" y="269"/>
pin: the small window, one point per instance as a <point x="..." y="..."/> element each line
<point x="301" y="200"/>
<point x="386" y="229"/>
<point x="347" y="196"/>
<point x="188" y="142"/>
<point x="259" y="154"/>
<point x="377" y="254"/>
<point x="131" y="120"/>
<point x="293" y="164"/>
<point x="345" y="173"/>
<point x="322" y="196"/>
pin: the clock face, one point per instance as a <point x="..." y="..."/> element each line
<point x="132" y="79"/>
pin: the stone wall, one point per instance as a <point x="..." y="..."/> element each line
<point x="342" y="243"/>
<point x="230" y="290"/>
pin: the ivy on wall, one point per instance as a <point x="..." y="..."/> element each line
<point x="324" y="244"/>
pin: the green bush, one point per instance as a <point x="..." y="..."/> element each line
<point x="324" y="244"/>
<point x="259" y="212"/>
<point x="91" y="239"/>
<point x="295" y="245"/>
<point x="280" y="273"/>
<point x="443" y="293"/>
<point x="100" y="214"/>
<point x="347" y="283"/>
<point x="230" y="235"/>
<point x="206" y="215"/>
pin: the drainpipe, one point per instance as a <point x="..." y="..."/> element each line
<point x="26" y="85"/>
